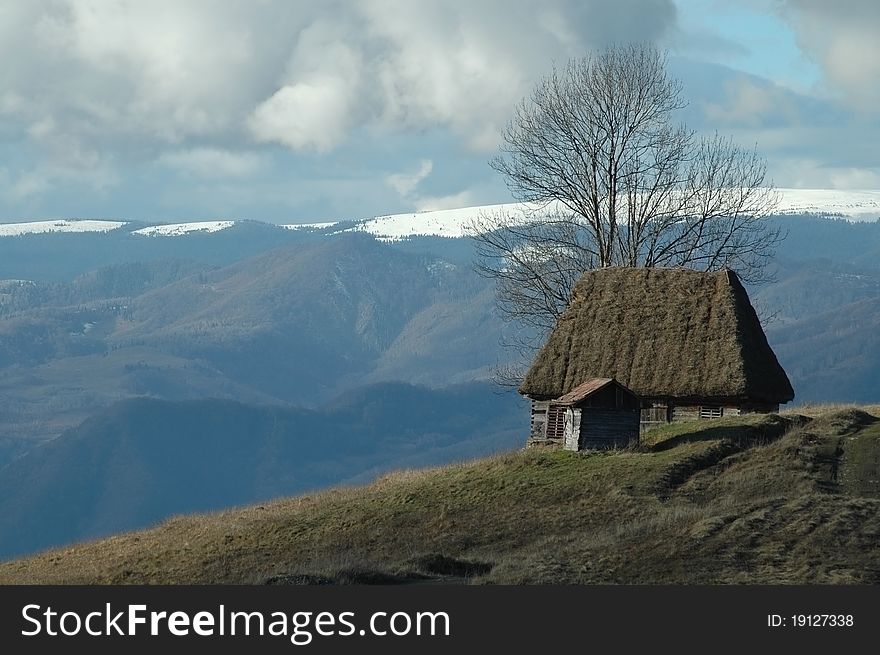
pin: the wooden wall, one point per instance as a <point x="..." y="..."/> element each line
<point x="572" y="438"/>
<point x="538" y="425"/>
<point x="697" y="412"/>
<point x="653" y="415"/>
<point x="608" y="428"/>
<point x="612" y="396"/>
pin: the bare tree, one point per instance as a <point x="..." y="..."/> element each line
<point x="609" y="178"/>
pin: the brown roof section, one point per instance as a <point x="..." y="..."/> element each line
<point x="674" y="333"/>
<point x="583" y="390"/>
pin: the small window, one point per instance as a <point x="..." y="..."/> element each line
<point x="711" y="411"/>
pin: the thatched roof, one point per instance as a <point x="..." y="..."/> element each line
<point x="673" y="333"/>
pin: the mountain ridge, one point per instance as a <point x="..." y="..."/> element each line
<point x="855" y="204"/>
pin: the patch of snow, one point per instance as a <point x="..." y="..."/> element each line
<point x="177" y="229"/>
<point x="309" y="226"/>
<point x="63" y="225"/>
<point x="853" y="204"/>
<point x="442" y="223"/>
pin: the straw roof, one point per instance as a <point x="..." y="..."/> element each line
<point x="672" y="333"/>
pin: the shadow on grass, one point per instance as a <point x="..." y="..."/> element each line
<point x="770" y="428"/>
<point x="432" y="568"/>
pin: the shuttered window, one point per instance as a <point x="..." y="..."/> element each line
<point x="555" y="422"/>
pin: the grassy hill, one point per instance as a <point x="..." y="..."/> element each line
<point x="761" y="499"/>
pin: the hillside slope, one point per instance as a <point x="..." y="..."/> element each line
<point x="333" y="310"/>
<point x="749" y="500"/>
<point x="835" y="354"/>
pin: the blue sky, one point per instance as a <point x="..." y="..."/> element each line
<point x="754" y="39"/>
<point x="303" y="111"/>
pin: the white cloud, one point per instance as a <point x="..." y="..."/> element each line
<point x="310" y="115"/>
<point x="842" y="39"/>
<point x="213" y="162"/>
<point x="303" y="74"/>
<point x="465" y="65"/>
<point x="318" y="102"/>
<point x="42" y="128"/>
<point x="405" y="183"/>
<point x="201" y="86"/>
<point x="160" y="69"/>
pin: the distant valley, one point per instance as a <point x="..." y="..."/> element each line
<point x="144" y="459"/>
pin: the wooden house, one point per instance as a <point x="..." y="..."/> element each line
<point x="599" y="413"/>
<point x="688" y="343"/>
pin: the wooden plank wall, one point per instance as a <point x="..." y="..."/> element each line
<point x="686" y="413"/>
<point x="572" y="439"/>
<point x="605" y="428"/>
<point x="539" y="419"/>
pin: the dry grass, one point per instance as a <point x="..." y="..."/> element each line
<point x="660" y="332"/>
<point x="813" y="410"/>
<point x="750" y="500"/>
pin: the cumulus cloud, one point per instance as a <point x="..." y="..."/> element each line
<point x="464" y="65"/>
<point x="810" y="172"/>
<point x="808" y="139"/>
<point x="156" y="70"/>
<point x="842" y="39"/>
<point x="304" y="75"/>
<point x="311" y="115"/>
<point x="207" y="88"/>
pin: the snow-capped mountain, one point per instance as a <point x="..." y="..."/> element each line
<point x="45" y="227"/>
<point x="852" y="205"/>
<point x="176" y="229"/>
<point x="442" y="223"/>
<point x="309" y="226"/>
<point x="855" y="205"/>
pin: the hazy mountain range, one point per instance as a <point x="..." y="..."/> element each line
<point x="207" y="364"/>
<point x="144" y="459"/>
